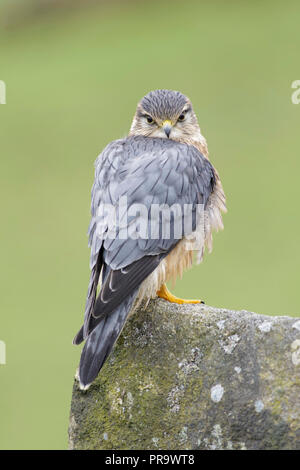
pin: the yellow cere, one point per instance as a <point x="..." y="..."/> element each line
<point x="167" y="122"/>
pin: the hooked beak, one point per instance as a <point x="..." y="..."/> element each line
<point x="167" y="127"/>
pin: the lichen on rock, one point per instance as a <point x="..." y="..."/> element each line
<point x="194" y="377"/>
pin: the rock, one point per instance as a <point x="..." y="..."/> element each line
<point x="194" y="377"/>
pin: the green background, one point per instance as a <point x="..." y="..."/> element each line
<point x="74" y="75"/>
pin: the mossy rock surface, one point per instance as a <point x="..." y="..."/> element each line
<point x="194" y="377"/>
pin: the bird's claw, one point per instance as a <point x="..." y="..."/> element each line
<point x="164" y="293"/>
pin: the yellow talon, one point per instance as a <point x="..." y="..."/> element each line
<point x="164" y="293"/>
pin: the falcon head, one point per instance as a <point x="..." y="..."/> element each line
<point x="166" y="114"/>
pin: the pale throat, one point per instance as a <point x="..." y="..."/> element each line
<point x="196" y="139"/>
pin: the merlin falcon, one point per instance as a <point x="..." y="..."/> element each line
<point x="163" y="163"/>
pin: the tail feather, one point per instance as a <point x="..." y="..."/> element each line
<point x="90" y="300"/>
<point x="101" y="341"/>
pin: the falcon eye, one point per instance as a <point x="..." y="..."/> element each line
<point x="149" y="119"/>
<point x="181" y="117"/>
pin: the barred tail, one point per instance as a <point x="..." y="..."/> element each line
<point x="101" y="341"/>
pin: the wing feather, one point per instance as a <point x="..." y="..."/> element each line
<point x="147" y="171"/>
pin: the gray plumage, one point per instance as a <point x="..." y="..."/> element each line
<point x="147" y="171"/>
<point x="101" y="341"/>
<point x="164" y="104"/>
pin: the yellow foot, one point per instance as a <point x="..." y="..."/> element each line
<point x="164" y="293"/>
